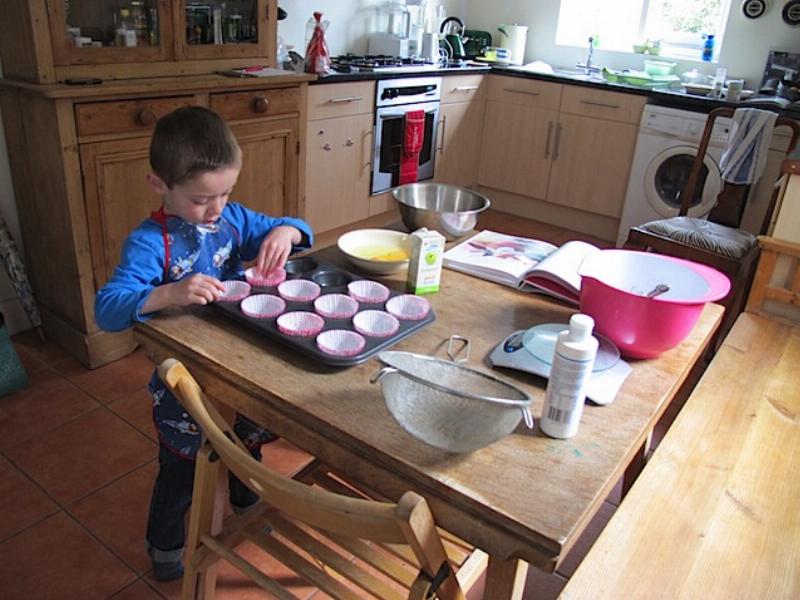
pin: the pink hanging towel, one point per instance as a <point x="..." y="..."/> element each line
<point x="413" y="137"/>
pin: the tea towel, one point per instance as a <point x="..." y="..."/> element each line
<point x="745" y="154"/>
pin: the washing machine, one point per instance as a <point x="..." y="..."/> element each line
<point x="665" y="150"/>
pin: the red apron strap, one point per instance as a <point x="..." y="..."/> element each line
<point x="159" y="217"/>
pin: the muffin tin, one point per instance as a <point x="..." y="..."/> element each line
<point x="331" y="280"/>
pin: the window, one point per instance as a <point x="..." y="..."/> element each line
<point x="679" y="25"/>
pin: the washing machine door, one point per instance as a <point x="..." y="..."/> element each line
<point x="666" y="178"/>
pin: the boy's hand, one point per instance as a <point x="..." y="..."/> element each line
<point x="197" y="289"/>
<point x="276" y="247"/>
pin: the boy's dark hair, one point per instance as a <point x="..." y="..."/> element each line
<point x="189" y="141"/>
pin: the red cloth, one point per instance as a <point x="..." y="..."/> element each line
<point x="413" y="137"/>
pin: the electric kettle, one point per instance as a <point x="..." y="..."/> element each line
<point x="453" y="30"/>
<point x="514" y="38"/>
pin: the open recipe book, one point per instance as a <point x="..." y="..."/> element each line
<point x="526" y="264"/>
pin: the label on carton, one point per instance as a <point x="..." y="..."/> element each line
<point x="425" y="264"/>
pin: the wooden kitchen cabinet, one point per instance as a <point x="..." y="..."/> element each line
<point x="79" y="157"/>
<point x="571" y="146"/>
<point x="47" y="41"/>
<point x="339" y="154"/>
<point x="460" y="129"/>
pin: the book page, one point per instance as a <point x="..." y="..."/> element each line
<point x="562" y="266"/>
<point x="497" y="256"/>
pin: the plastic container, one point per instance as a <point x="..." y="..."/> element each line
<point x="659" y="67"/>
<point x="573" y="361"/>
<point x="614" y="287"/>
<point x="708" y="48"/>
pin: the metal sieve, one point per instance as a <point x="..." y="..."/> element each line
<point x="449" y="405"/>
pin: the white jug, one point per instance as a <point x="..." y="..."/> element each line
<point x="514" y="38"/>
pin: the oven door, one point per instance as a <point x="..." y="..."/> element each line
<point x="389" y="129"/>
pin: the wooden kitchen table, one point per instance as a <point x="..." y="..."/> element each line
<point x="525" y="497"/>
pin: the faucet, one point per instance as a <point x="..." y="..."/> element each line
<point x="588" y="68"/>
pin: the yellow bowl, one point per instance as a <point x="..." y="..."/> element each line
<point x="379" y="251"/>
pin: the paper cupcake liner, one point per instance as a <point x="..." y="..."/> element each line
<point x="234" y="291"/>
<point x="298" y="290"/>
<point x="375" y="323"/>
<point x="300" y="323"/>
<point x="340" y="342"/>
<point x="408" y="307"/>
<point x="263" y="306"/>
<point x="368" y="291"/>
<point x="336" y="306"/>
<point x="257" y="279"/>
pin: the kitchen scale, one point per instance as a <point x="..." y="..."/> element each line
<point x="531" y="350"/>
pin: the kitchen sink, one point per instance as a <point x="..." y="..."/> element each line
<point x="578" y="74"/>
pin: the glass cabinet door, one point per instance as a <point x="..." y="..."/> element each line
<point x="109" y="31"/>
<point x="225" y="28"/>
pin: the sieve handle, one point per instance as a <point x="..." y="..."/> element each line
<point x="527" y="416"/>
<point x="453" y="354"/>
<point x="380" y="373"/>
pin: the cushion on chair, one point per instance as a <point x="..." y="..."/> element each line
<point x="699" y="233"/>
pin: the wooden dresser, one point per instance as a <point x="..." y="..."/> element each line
<point x="79" y="153"/>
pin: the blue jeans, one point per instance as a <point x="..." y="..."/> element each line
<point x="172" y="496"/>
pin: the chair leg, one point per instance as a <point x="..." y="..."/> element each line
<point x="201" y="584"/>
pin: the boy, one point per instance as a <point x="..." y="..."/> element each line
<point x="178" y="257"/>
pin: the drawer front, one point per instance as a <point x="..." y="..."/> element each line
<point x="253" y="104"/>
<point x="341" y="100"/>
<point x="125" y="116"/>
<point x="590" y="102"/>
<point x="463" y="88"/>
<point x="528" y="92"/>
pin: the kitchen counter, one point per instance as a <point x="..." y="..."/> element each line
<point x="675" y="98"/>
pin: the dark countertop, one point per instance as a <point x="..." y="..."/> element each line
<point x="676" y="98"/>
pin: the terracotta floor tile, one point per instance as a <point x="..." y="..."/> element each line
<point x="56" y="559"/>
<point x="117" y="515"/>
<point x="138" y="590"/>
<point x="137" y="409"/>
<point x="83" y="455"/>
<point x="46" y="351"/>
<point x="22" y="502"/>
<point x="30" y="362"/>
<point x="283" y="457"/>
<point x="30" y="412"/>
<point x="112" y="381"/>
<point x="586" y="541"/>
<point x="543" y="586"/>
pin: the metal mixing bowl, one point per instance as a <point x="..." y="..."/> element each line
<point x="449" y="209"/>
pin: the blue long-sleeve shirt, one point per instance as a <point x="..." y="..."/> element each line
<point x="216" y="250"/>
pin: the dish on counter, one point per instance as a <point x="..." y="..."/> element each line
<point x="379" y="251"/>
<point x="698" y="89"/>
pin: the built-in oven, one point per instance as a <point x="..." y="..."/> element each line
<point x="395" y="98"/>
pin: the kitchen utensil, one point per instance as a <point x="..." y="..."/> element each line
<point x="447" y="405"/>
<point x="379" y="251"/>
<point x="698" y="89"/>
<point x="614" y="289"/>
<point x="661" y="288"/>
<point x="453" y="30"/>
<point x="540" y="341"/>
<point x="334" y="282"/>
<point x="449" y="209"/>
<point x="514" y="38"/>
<point x="659" y="67"/>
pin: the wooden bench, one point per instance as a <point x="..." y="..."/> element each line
<point x="716" y="511"/>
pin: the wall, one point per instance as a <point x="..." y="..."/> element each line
<point x="744" y="51"/>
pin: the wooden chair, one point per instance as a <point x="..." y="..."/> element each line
<point x="776" y="286"/>
<point x="717" y="241"/>
<point x="316" y="529"/>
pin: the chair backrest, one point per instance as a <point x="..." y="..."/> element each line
<point x="731" y="201"/>
<point x="409" y="522"/>
<point x="776" y="286"/>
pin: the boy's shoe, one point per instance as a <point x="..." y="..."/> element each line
<point x="167" y="564"/>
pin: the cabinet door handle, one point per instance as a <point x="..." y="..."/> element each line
<point x="525" y="92"/>
<point x="345" y="99"/>
<point x="349" y="142"/>
<point x="547" y="143"/>
<point x="369" y="134"/>
<point x="557" y="141"/>
<point x="603" y="104"/>
<point x="443" y="124"/>
<point x="145" y="116"/>
<point x="327" y="147"/>
<point x="260" y="104"/>
<point x="465" y="88"/>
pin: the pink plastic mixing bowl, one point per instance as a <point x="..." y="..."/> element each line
<point x="614" y="284"/>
